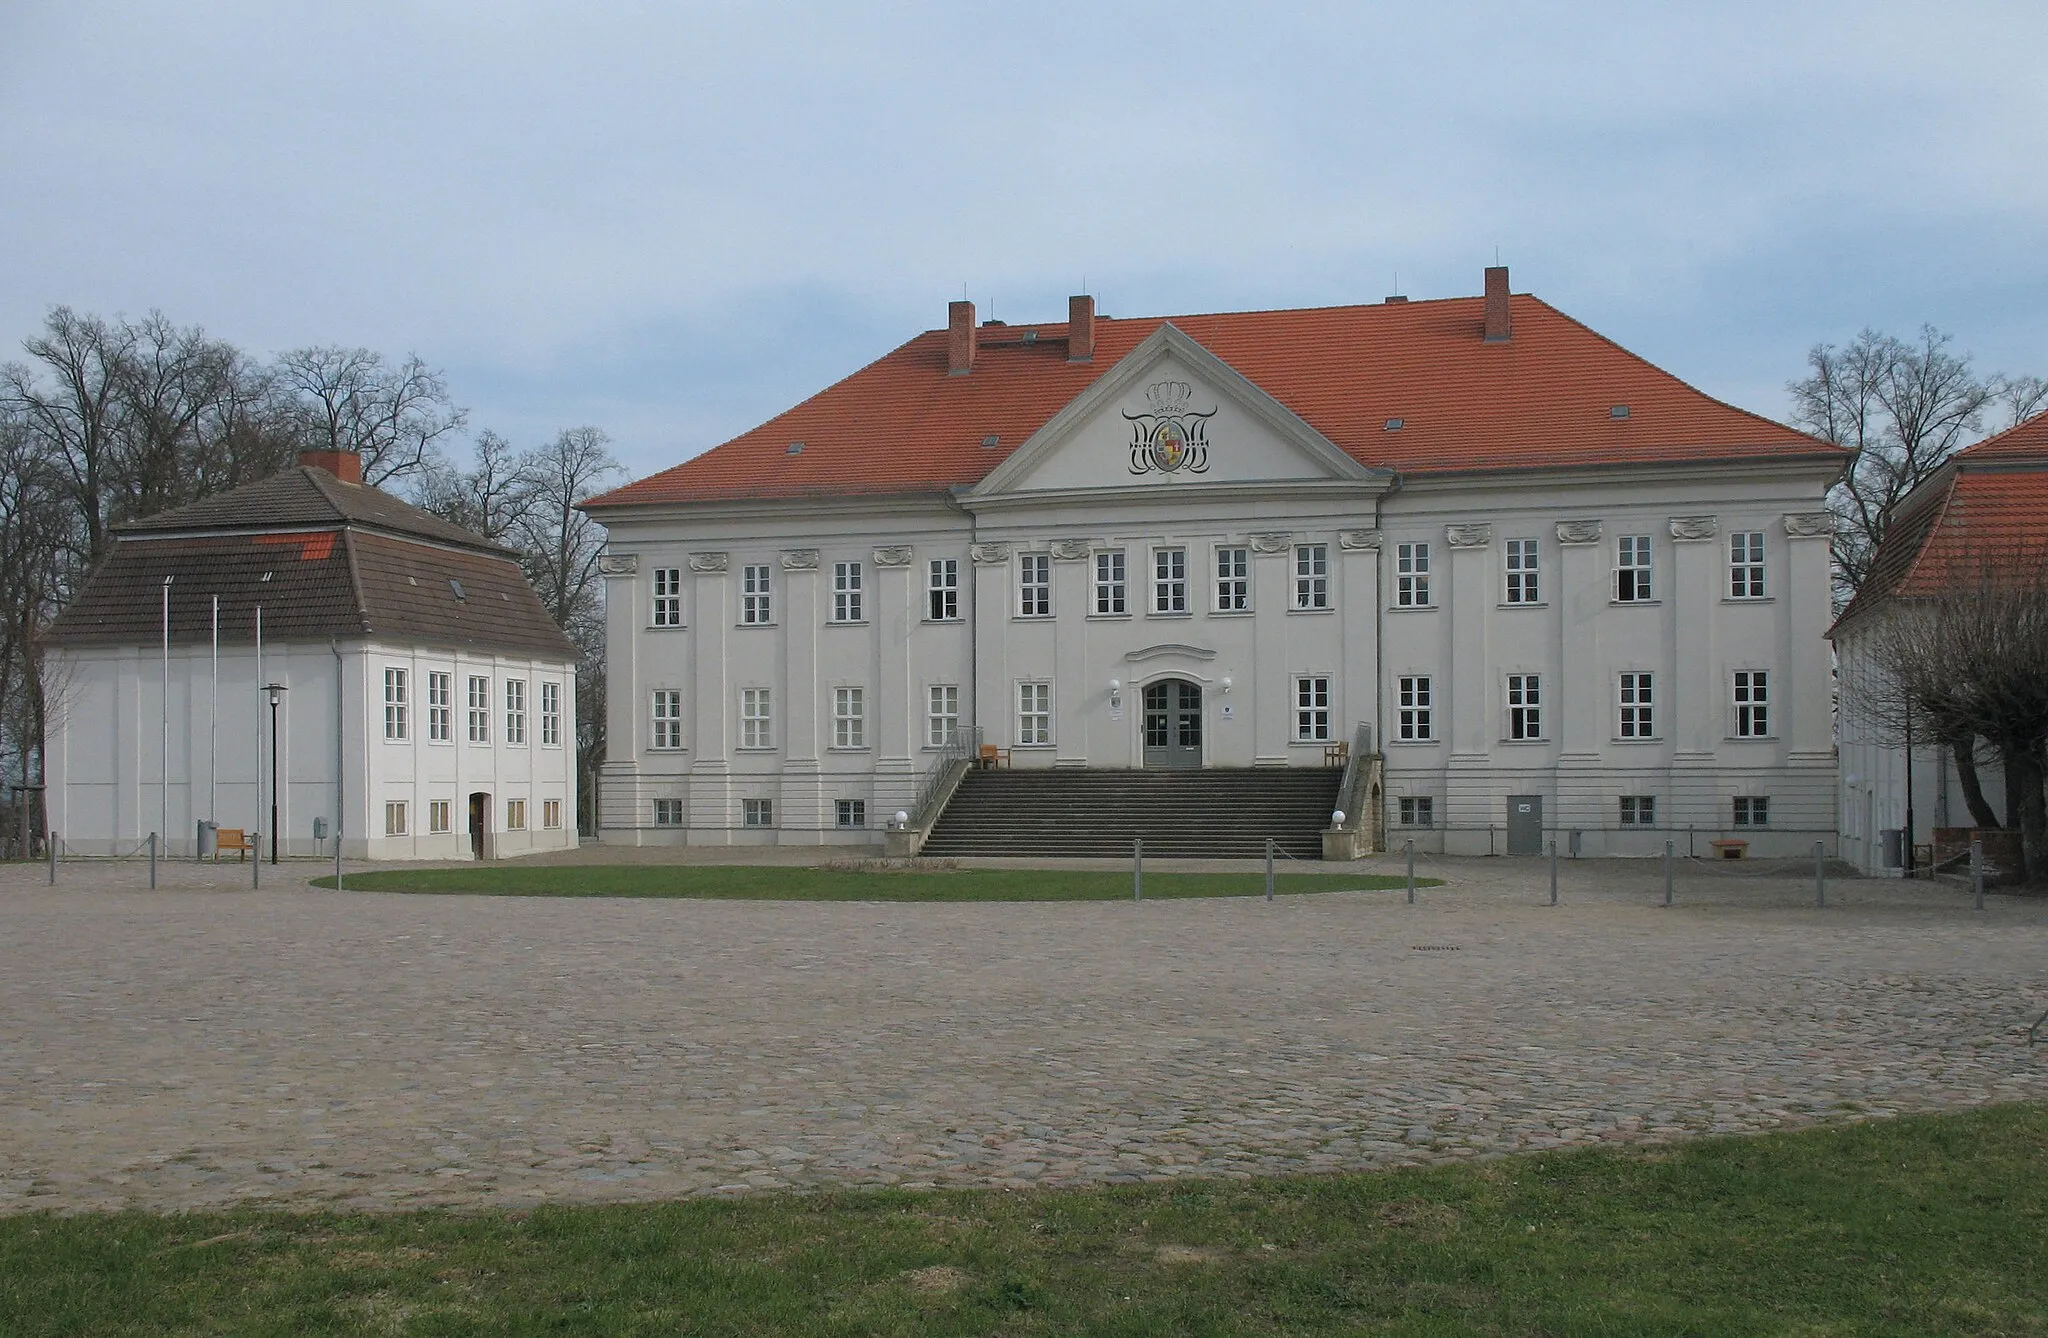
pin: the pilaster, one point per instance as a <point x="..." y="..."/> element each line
<point x="1272" y="577"/>
<point x="898" y="616"/>
<point x="1693" y="714"/>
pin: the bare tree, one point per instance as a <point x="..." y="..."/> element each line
<point x="349" y="400"/>
<point x="77" y="422"/>
<point x="488" y="497"/>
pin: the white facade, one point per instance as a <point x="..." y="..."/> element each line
<point x="738" y="720"/>
<point x="111" y="719"/>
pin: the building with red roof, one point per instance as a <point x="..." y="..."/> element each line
<point x="1540" y="582"/>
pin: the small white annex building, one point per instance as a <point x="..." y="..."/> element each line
<point x="1554" y="588"/>
<point x="409" y="649"/>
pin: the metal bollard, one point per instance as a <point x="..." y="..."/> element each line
<point x="1137" y="868"/>
<point x="152" y="860"/>
<point x="1269" y="868"/>
<point x="1667" y="873"/>
<point x="1820" y="875"/>
<point x="1977" y="871"/>
<point x="256" y="861"/>
<point x="1411" y="871"/>
<point x="1553" y="873"/>
<point x="53" y="859"/>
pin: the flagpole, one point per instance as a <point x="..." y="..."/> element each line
<point x="213" y="727"/>
<point x="256" y="801"/>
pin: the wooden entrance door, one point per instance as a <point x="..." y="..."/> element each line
<point x="479" y="822"/>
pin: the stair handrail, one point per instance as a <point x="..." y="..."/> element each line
<point x="936" y="786"/>
<point x="1355" y="769"/>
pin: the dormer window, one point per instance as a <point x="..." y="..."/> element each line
<point x="456" y="586"/>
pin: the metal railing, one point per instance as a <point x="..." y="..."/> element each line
<point x="937" y="783"/>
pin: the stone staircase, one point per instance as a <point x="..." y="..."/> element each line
<point x="1208" y="814"/>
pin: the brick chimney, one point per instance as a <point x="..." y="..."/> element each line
<point x="1499" y="328"/>
<point x="960" y="334"/>
<point x="1081" y="329"/>
<point x="344" y="465"/>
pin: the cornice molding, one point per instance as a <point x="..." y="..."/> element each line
<point x="1166" y="648"/>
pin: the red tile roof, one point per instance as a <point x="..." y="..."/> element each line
<point x="1981" y="517"/>
<point x="1543" y="398"/>
<point x="2029" y="438"/>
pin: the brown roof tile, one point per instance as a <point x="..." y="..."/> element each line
<point x="303" y="495"/>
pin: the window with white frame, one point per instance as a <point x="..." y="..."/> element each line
<point x="551" y="715"/>
<point x="1034" y="713"/>
<point x="440" y="707"/>
<point x="515" y="815"/>
<point x="394" y="817"/>
<point x="1415" y="708"/>
<point x="1525" y="706"/>
<point x="1034" y="585"/>
<point x="757" y="812"/>
<point x="943" y="589"/>
<point x="439" y="815"/>
<point x="1411" y="576"/>
<point x="850" y="812"/>
<point x="668" y="596"/>
<point x="1752" y="694"/>
<point x="1418" y="810"/>
<point x="1311" y="709"/>
<point x="849" y="718"/>
<point x="1752" y="810"/>
<point x="550" y="814"/>
<point x="394" y="704"/>
<point x="1311" y="576"/>
<point x="757" y="718"/>
<point x="1523" y="586"/>
<point x="846" y="593"/>
<point x="1639" y="810"/>
<point x="1746" y="564"/>
<point x="479" y="709"/>
<point x="942" y="714"/>
<point x="1638" y="706"/>
<point x="1632" y="569"/>
<point x="757" y="606"/>
<point x="1109" y="583"/>
<point x="515" y="710"/>
<point x="1233" y="580"/>
<point x="668" y="812"/>
<point x="1169" y="580"/>
<point x="667" y="719"/>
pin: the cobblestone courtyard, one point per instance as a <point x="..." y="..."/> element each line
<point x="205" y="1044"/>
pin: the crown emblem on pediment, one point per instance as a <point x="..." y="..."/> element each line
<point x="1169" y="399"/>
<point x="1169" y="436"/>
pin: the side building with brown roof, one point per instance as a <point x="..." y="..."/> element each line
<point x="419" y="690"/>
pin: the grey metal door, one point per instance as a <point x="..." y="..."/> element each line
<point x="1173" y="724"/>
<point x="1525" y="824"/>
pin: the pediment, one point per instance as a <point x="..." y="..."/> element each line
<point x="1171" y="414"/>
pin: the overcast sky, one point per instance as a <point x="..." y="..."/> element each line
<point x="673" y="220"/>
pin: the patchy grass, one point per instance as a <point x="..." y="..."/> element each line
<point x="767" y="883"/>
<point x="1914" y="1226"/>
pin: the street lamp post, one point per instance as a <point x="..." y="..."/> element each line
<point x="276" y="691"/>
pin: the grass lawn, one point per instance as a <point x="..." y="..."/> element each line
<point x="1929" y="1225"/>
<point x="764" y="883"/>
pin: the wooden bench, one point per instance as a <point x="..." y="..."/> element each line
<point x="1336" y="754"/>
<point x="1730" y="848"/>
<point x="233" y="838"/>
<point x="992" y="757"/>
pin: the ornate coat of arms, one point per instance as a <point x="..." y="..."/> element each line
<point x="1170" y="437"/>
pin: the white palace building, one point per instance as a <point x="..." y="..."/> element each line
<point x="1550" y="589"/>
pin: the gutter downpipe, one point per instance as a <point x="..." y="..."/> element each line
<point x="974" y="623"/>
<point x="340" y="796"/>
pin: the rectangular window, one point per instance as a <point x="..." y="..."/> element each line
<point x="667" y="719"/>
<point x="551" y="814"/>
<point x="1522" y="582"/>
<point x="1638" y="707"/>
<point x="1752" y="704"/>
<point x="551" y="715"/>
<point x="1746" y="564"/>
<point x="479" y="709"/>
<point x="668" y="596"/>
<point x="1415" y="709"/>
<point x="756" y="599"/>
<point x="515" y="815"/>
<point x="1170" y="580"/>
<point x="1311" y="709"/>
<point x="1109" y="582"/>
<point x="1034" y="585"/>
<point x="1311" y="576"/>
<point x="394" y="704"/>
<point x="757" y="720"/>
<point x="394" y="817"/>
<point x="849" y="718"/>
<point x="942" y="718"/>
<point x="851" y="812"/>
<point x="440" y="707"/>
<point x="515" y="710"/>
<point x="1411" y="576"/>
<point x="1525" y="707"/>
<point x="1752" y="810"/>
<point x="668" y="812"/>
<point x="1233" y="580"/>
<point x="1638" y="810"/>
<point x="1632" y="568"/>
<point x="1034" y="713"/>
<point x="1418" y="810"/>
<point x="944" y="589"/>
<point x="757" y="812"/>
<point x="846" y="592"/>
<point x="438" y="815"/>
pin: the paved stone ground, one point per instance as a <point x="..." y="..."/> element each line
<point x="204" y="1044"/>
